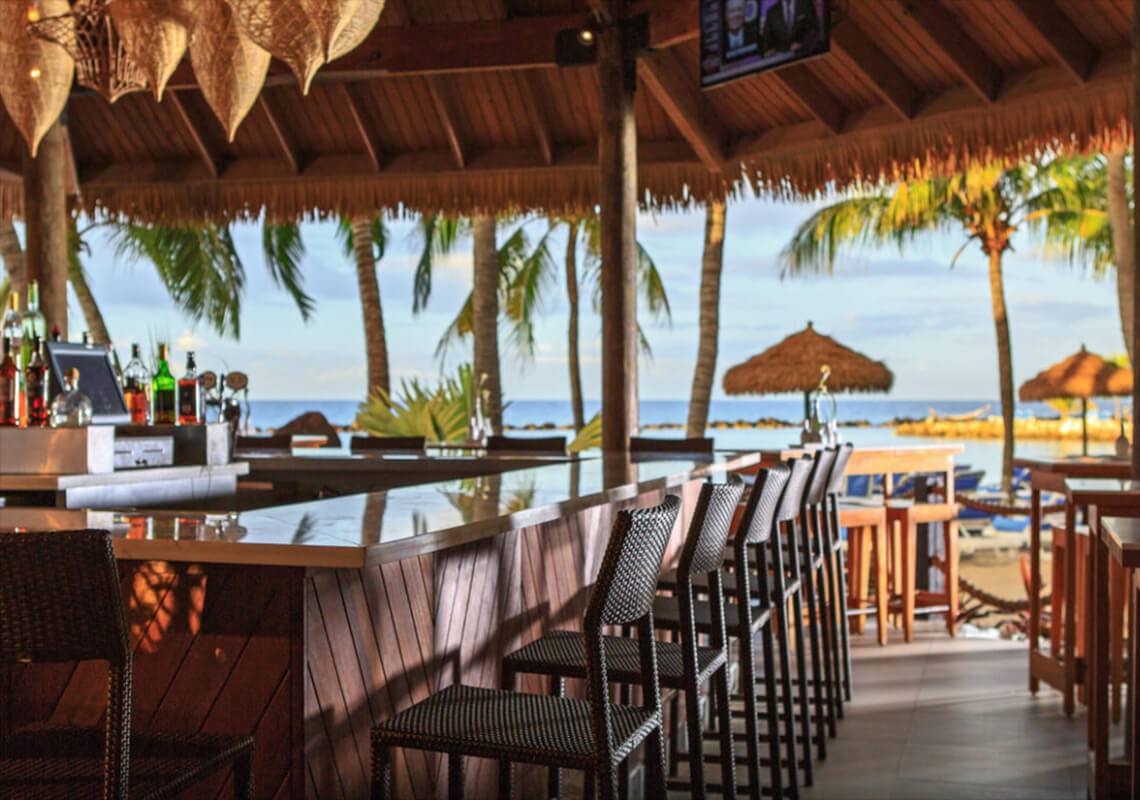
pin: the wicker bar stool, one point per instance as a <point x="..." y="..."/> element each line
<point x="593" y="735"/>
<point x="684" y="666"/>
<point x="60" y="602"/>
<point x="838" y="568"/>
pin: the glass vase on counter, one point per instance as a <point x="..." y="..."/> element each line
<point x="71" y="408"/>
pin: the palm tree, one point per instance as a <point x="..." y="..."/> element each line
<point x="712" y="263"/>
<point x="534" y="275"/>
<point x="485" y="316"/>
<point x="365" y="240"/>
<point x="1123" y="241"/>
<point x="988" y="201"/>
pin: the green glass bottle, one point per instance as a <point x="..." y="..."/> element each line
<point x="163" y="391"/>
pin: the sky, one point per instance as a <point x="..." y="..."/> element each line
<point x="932" y="324"/>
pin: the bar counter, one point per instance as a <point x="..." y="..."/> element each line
<point x="304" y="624"/>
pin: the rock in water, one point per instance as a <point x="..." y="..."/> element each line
<point x="312" y="423"/>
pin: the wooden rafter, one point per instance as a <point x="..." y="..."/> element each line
<point x="281" y="132"/>
<point x="443" y="108"/>
<point x="534" y="114"/>
<point x="71" y="178"/>
<point x="192" y="122"/>
<point x="664" y="75"/>
<point x="363" y="125"/>
<point x="866" y="57"/>
<point x="1065" y="41"/>
<point x="968" y="58"/>
<point x="811" y="92"/>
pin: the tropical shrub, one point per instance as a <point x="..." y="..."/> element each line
<point x="440" y="413"/>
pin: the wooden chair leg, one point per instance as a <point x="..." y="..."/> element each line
<point x="382" y="788"/>
<point x="950" y="549"/>
<point x="1057" y="606"/>
<point x="909" y="541"/>
<point x="859" y="547"/>
<point x="1080" y="624"/>
<point x="882" y="596"/>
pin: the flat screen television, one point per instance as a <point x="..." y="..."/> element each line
<point x="743" y="37"/>
<point x="97" y="379"/>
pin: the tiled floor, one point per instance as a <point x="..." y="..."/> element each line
<point x="943" y="718"/>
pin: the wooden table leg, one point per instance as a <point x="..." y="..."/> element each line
<point x="1117" y="600"/>
<point x="909" y="541"/>
<point x="859" y="547"/>
<point x="1035" y="584"/>
<point x="951" y="554"/>
<point x="1133" y="720"/>
<point x="882" y="595"/>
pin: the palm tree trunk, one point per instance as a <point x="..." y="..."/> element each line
<point x="13" y="255"/>
<point x="711" y="264"/>
<point x="92" y="315"/>
<point x="375" y="341"/>
<point x="1123" y="244"/>
<point x="1005" y="365"/>
<point x="573" y="358"/>
<point x="485" y="317"/>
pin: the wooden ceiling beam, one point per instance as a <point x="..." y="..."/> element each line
<point x="1076" y="53"/>
<point x="209" y="155"/>
<point x="810" y="91"/>
<point x="865" y="56"/>
<point x="967" y="56"/>
<point x="281" y="132"/>
<point x="446" y="114"/>
<point x="538" y="123"/>
<point x="363" y="125"/>
<point x="664" y="75"/>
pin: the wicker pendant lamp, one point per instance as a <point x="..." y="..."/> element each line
<point x="356" y="28"/>
<point x="89" y="36"/>
<point x="229" y="66"/>
<point x="155" y="34"/>
<point x="35" y="75"/>
<point x="288" y="30"/>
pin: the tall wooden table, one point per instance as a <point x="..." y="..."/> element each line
<point x="1117" y="538"/>
<point x="1061" y="670"/>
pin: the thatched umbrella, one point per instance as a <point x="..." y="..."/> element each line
<point x="794" y="365"/>
<point x="1081" y="375"/>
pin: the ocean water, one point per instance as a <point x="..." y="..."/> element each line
<point x="979" y="453"/>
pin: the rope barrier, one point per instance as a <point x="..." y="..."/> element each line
<point x="1002" y="510"/>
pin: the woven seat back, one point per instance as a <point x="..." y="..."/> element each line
<point x="839" y="468"/>
<point x="789" y="507"/>
<point x="373" y="444"/>
<point x="552" y="445"/>
<point x="709" y="529"/>
<point x="60" y="599"/>
<point x="627" y="580"/>
<point x="640" y="445"/>
<point x="760" y="516"/>
<point x="820" y="473"/>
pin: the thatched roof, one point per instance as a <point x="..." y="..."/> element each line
<point x="459" y="106"/>
<point x="1082" y="374"/>
<point x="794" y="365"/>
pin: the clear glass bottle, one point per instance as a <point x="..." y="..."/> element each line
<point x="33" y="324"/>
<point x="12" y="326"/>
<point x="163" y="392"/>
<point x="36" y="385"/>
<point x="9" y="387"/>
<point x="71" y="408"/>
<point x="189" y="394"/>
<point x="136" y="388"/>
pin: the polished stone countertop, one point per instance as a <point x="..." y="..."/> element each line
<point x="380" y="527"/>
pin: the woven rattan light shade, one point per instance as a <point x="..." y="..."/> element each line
<point x="229" y="66"/>
<point x="89" y="35"/>
<point x="155" y="34"/>
<point x="356" y="28"/>
<point x="287" y="30"/>
<point x="35" y="75"/>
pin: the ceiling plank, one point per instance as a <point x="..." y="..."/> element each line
<point x="810" y="91"/>
<point x="664" y="74"/>
<point x="211" y="158"/>
<point x="967" y="56"/>
<point x="534" y="114"/>
<point x="866" y="57"/>
<point x="444" y="110"/>
<point x="363" y="125"/>
<point x="281" y="132"/>
<point x="1076" y="53"/>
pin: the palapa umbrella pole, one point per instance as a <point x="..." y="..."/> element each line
<point x="807" y="405"/>
<point x="1084" y="427"/>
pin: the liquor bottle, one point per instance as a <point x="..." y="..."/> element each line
<point x="189" y="393"/>
<point x="9" y="388"/>
<point x="136" y="388"/>
<point x="163" y="394"/>
<point x="36" y="386"/>
<point x="71" y="408"/>
<point x="33" y="324"/>
<point x="12" y="326"/>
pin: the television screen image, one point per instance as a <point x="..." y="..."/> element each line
<point x="742" y="37"/>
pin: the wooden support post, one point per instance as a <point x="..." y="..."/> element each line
<point x="1136" y="219"/>
<point x="46" y="225"/>
<point x="617" y="162"/>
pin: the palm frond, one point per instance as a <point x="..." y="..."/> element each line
<point x="283" y="248"/>
<point x="652" y="286"/>
<point x="460" y="328"/>
<point x="436" y="236"/>
<point x="527" y="291"/>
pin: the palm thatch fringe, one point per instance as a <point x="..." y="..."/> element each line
<point x="547" y="191"/>
<point x="1094" y="121"/>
